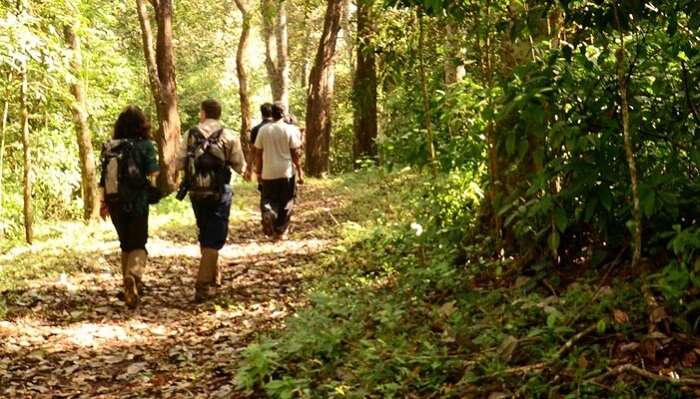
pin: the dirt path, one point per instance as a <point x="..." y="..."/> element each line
<point x="71" y="337"/>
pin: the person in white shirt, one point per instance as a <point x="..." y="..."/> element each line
<point x="279" y="170"/>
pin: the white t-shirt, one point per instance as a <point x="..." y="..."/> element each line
<point x="277" y="140"/>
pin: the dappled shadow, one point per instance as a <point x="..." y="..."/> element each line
<point x="70" y="336"/>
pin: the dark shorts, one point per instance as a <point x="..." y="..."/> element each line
<point x="212" y="219"/>
<point x="132" y="227"/>
<point x="278" y="196"/>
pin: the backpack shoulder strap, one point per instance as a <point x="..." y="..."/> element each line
<point x="216" y="135"/>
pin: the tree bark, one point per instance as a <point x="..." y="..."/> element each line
<point x="629" y="149"/>
<point x="365" y="85"/>
<point x="147" y="38"/>
<point x="246" y="117"/>
<point x="424" y="91"/>
<point x="453" y="71"/>
<point x="91" y="200"/>
<point x="276" y="37"/>
<point x="304" y="72"/>
<point x="3" y="128"/>
<point x="24" y="111"/>
<point x="161" y="70"/>
<point x="282" y="36"/>
<point x="320" y="94"/>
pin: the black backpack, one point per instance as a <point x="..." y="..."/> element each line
<point x="122" y="177"/>
<point x="206" y="169"/>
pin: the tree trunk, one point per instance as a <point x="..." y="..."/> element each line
<point x="24" y="111"/>
<point x="161" y="70"/>
<point x="275" y="36"/>
<point x="454" y="72"/>
<point x="3" y="128"/>
<point x="346" y="27"/>
<point x="91" y="200"/>
<point x="629" y="149"/>
<point x="320" y="96"/>
<point x="246" y="118"/>
<point x="424" y="90"/>
<point x="304" y="72"/>
<point x="365" y="85"/>
<point x="147" y="38"/>
<point x="282" y="36"/>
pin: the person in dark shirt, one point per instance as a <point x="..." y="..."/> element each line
<point x="266" y="113"/>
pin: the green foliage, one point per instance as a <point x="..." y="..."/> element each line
<point x="394" y="314"/>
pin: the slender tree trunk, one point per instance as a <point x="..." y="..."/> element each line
<point x="3" y="129"/>
<point x="346" y="27"/>
<point x="320" y="96"/>
<point x="164" y="88"/>
<point x="91" y="200"/>
<point x="268" y="31"/>
<point x="365" y="85"/>
<point x="495" y="184"/>
<point x="246" y="118"/>
<point x="24" y="111"/>
<point x="629" y="149"/>
<point x="282" y="37"/>
<point x="453" y="71"/>
<point x="147" y="38"/>
<point x="424" y="91"/>
<point x="304" y="72"/>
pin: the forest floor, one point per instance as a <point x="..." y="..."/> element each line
<point x="64" y="333"/>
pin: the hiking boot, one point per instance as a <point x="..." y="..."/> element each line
<point x="268" y="220"/>
<point x="131" y="294"/>
<point x="203" y="292"/>
<point x="140" y="288"/>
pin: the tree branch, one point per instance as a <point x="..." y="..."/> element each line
<point x="630" y="368"/>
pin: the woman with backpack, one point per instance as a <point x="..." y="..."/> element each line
<point x="129" y="165"/>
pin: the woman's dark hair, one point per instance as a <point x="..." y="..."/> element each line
<point x="132" y="124"/>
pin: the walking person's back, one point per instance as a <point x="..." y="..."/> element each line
<point x="128" y="162"/>
<point x="209" y="154"/>
<point x="279" y="170"/>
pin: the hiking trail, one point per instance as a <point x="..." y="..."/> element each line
<point x="67" y="335"/>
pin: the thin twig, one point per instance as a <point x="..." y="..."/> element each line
<point x="542" y="365"/>
<point x="630" y="368"/>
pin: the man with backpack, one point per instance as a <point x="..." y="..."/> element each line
<point x="278" y="166"/>
<point x="207" y="156"/>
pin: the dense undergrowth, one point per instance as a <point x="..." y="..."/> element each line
<point x="410" y="304"/>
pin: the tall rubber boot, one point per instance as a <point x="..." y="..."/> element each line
<point x="135" y="266"/>
<point x="125" y="262"/>
<point x="208" y="276"/>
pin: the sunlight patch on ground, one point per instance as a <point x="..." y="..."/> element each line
<point x="30" y="332"/>
<point x="164" y="248"/>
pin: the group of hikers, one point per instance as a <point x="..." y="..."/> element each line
<point x="208" y="155"/>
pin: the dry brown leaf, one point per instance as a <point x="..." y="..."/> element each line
<point x="689" y="359"/>
<point x="582" y="362"/>
<point x="657" y="314"/>
<point x="620" y="316"/>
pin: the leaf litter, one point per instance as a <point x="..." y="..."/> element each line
<point x="70" y="337"/>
